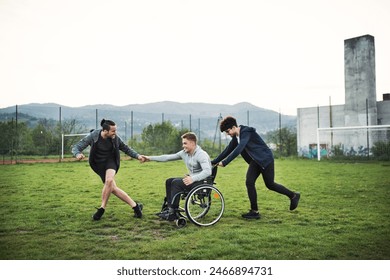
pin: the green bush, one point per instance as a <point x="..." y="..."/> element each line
<point x="381" y="150"/>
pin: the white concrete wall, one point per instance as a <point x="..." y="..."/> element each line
<point x="360" y="98"/>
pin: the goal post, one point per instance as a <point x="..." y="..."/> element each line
<point x="354" y="135"/>
<point x="63" y="141"/>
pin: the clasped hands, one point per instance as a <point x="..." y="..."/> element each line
<point x="143" y="158"/>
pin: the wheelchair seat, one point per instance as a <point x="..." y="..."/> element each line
<point x="203" y="205"/>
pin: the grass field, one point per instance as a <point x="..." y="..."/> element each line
<point x="343" y="214"/>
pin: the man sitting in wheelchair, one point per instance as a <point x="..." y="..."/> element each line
<point x="199" y="167"/>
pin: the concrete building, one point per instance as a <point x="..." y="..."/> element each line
<point x="360" y="109"/>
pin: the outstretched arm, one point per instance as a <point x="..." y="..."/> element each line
<point x="78" y="149"/>
<point x="232" y="144"/>
<point x="128" y="150"/>
<point x="164" y="158"/>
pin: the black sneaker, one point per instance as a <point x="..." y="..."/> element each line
<point x="138" y="210"/>
<point x="99" y="213"/>
<point x="163" y="214"/>
<point x="294" y="201"/>
<point x="172" y="216"/>
<point x="169" y="215"/>
<point x="252" y="214"/>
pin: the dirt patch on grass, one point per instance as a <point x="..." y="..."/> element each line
<point x="43" y="160"/>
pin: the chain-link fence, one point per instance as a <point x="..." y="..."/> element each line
<point x="35" y="131"/>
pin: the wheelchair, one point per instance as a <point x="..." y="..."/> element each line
<point x="203" y="205"/>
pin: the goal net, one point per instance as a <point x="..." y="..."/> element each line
<point x="67" y="142"/>
<point x="361" y="141"/>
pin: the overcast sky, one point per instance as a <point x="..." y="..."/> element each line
<point x="279" y="54"/>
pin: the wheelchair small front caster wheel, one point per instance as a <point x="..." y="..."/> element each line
<point x="181" y="222"/>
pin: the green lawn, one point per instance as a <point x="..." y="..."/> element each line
<point x="343" y="214"/>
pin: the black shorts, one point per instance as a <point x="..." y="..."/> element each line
<point x="101" y="168"/>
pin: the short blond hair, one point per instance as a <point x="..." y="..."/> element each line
<point x="190" y="136"/>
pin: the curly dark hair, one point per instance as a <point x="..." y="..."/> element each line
<point x="227" y="122"/>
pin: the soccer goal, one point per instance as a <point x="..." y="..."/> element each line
<point x="68" y="140"/>
<point x="364" y="141"/>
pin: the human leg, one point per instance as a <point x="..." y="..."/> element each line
<point x="168" y="186"/>
<point x="268" y="177"/>
<point x="164" y="206"/>
<point x="122" y="195"/>
<point x="174" y="187"/>
<point x="111" y="187"/>
<point x="108" y="187"/>
<point x="177" y="187"/>
<point x="100" y="170"/>
<point x="252" y="174"/>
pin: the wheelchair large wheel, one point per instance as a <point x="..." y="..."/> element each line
<point x="204" y="205"/>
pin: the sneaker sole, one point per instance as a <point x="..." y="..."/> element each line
<point x="251" y="218"/>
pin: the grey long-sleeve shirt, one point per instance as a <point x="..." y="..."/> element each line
<point x="198" y="164"/>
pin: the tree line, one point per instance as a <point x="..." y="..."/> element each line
<point x="45" y="139"/>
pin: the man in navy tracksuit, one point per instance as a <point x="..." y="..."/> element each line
<point x="258" y="155"/>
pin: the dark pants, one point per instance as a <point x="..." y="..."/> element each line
<point x="173" y="187"/>
<point x="254" y="171"/>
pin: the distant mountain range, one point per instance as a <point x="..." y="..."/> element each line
<point x="187" y="115"/>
